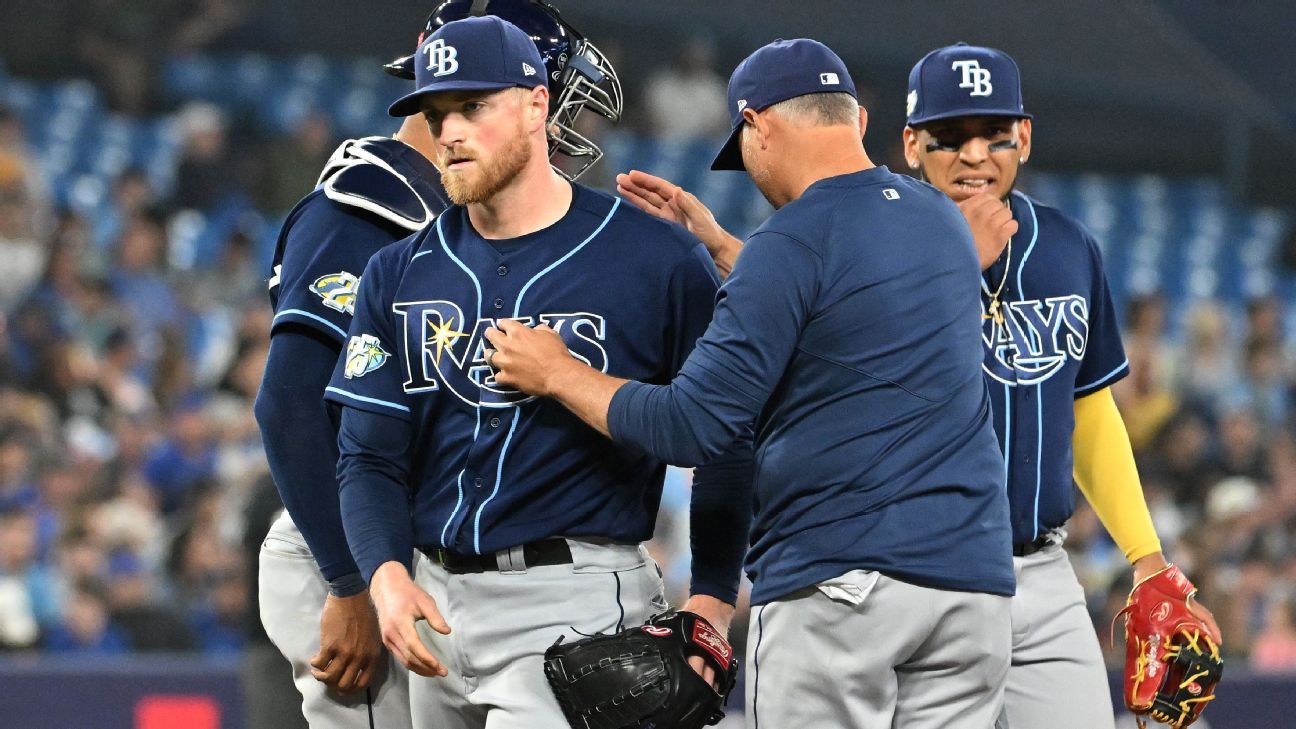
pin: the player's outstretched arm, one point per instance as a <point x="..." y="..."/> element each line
<point x="668" y="201"/>
<point x="1107" y="475"/>
<point x="401" y="604"/>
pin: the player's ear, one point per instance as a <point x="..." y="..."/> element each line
<point x="760" y="124"/>
<point x="1024" y="139"/>
<point x="863" y="121"/>
<point x="911" y="147"/>
<point x="537" y="106"/>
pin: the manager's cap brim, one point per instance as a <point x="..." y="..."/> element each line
<point x="730" y="155"/>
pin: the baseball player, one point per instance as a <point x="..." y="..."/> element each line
<point x="373" y="192"/>
<point x="531" y="525"/>
<point x="1052" y="351"/>
<point x="848" y="333"/>
<point x="313" y="603"/>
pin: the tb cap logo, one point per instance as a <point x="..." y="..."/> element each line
<point x="974" y="77"/>
<point x="442" y="58"/>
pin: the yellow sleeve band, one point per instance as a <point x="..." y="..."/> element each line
<point x="1107" y="476"/>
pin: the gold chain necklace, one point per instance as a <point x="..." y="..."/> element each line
<point x="995" y="309"/>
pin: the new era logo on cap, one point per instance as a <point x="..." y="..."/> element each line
<point x="528" y="70"/>
<point x="829" y="79"/>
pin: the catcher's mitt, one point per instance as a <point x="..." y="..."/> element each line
<point x="1172" y="659"/>
<point x="640" y="678"/>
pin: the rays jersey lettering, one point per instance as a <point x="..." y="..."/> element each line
<point x="440" y="351"/>
<point x="1035" y="339"/>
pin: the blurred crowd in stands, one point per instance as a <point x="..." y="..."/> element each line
<point x="133" y="488"/>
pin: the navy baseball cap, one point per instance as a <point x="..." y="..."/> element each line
<point x="964" y="80"/>
<point x="782" y="70"/>
<point x="473" y="54"/>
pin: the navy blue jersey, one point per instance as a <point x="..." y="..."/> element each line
<point x="1058" y="341"/>
<point x="372" y="192"/>
<point x="490" y="467"/>
<point x="849" y="333"/>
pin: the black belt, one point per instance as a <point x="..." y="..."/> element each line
<point x="536" y="554"/>
<point x="1029" y="548"/>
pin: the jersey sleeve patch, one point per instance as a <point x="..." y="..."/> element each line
<point x="364" y="355"/>
<point x="338" y="291"/>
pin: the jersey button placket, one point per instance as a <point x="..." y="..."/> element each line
<point x="502" y="270"/>
<point x="499" y="303"/>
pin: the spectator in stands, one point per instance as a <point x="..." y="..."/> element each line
<point x="686" y="99"/>
<point x="1210" y="365"/>
<point x="293" y="162"/>
<point x="206" y="175"/>
<point x="137" y="281"/>
<point x="149" y="623"/>
<point x="21" y="249"/>
<point x="132" y="195"/>
<point x="86" y="626"/>
<point x="220" y="620"/>
<point x="184" y="460"/>
<point x="1275" y="646"/>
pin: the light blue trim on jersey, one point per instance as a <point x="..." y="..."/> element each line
<point x="459" y="483"/>
<point x="1101" y="380"/>
<point x="362" y="398"/>
<point x="518" y="306"/>
<point x="341" y="332"/>
<point x="477" y="313"/>
<point x="1039" y="454"/>
<point x="1030" y="247"/>
<point x="499" y="474"/>
<point x="459" y="263"/>
<point x="458" y="503"/>
<point x="1039" y="406"/>
<point x="1007" y="434"/>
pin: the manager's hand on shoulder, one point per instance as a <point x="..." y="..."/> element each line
<point x="666" y="200"/>
<point x="401" y="603"/>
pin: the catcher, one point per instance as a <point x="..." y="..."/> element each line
<point x="1052" y="352"/>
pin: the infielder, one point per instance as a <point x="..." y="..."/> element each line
<point x="1052" y="351"/>
<point x="531" y="524"/>
<point x="848" y="333"/>
<point x="373" y="191"/>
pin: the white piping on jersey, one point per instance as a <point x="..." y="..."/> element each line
<point x="341" y="332"/>
<point x="518" y="306"/>
<point x="499" y="476"/>
<point x="362" y="398"/>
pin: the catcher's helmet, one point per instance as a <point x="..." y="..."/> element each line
<point x="579" y="74"/>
